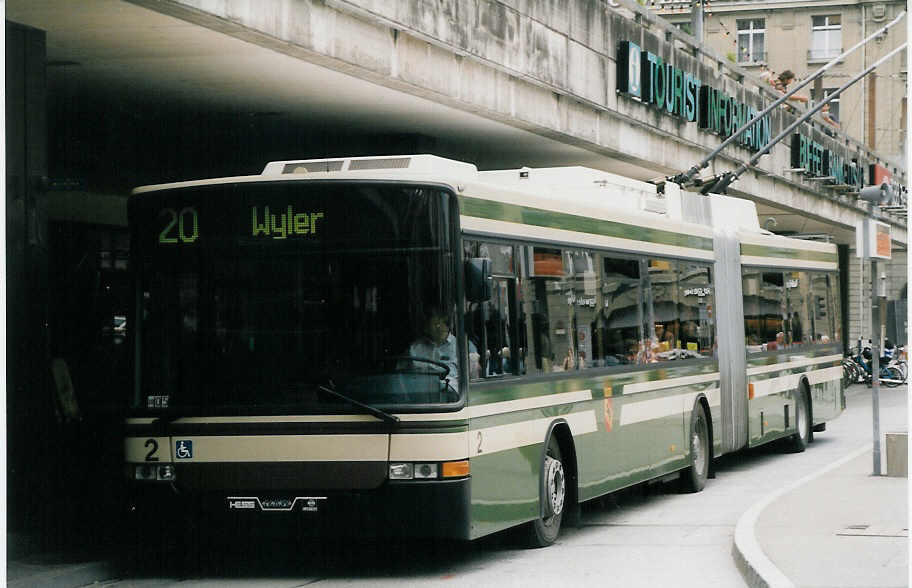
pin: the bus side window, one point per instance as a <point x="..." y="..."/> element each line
<point x="824" y="331"/>
<point x="473" y="321"/>
<point x="834" y="306"/>
<point x="499" y="329"/>
<point x="800" y="318"/>
<point x="493" y="327"/>
<point x="662" y="312"/>
<point x="696" y="307"/>
<point x="545" y="288"/>
<point x="618" y="328"/>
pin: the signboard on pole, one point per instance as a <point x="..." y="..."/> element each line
<point x="873" y="240"/>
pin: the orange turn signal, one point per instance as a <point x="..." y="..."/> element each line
<point x="455" y="469"/>
<point x="750" y="391"/>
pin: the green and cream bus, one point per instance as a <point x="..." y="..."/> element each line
<point x="591" y="333"/>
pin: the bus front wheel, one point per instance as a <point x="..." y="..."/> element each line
<point x="544" y="530"/>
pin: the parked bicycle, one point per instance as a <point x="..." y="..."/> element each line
<point x="890" y="374"/>
<point x="852" y="373"/>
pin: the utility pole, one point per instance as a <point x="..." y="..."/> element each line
<point x="875" y="365"/>
<point x="873" y="241"/>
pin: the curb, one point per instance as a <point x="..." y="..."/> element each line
<point x="757" y="569"/>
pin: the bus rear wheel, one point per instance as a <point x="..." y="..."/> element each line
<point x="544" y="530"/>
<point x="799" y="441"/>
<point x="693" y="479"/>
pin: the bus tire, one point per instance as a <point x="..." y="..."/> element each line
<point x="693" y="479"/>
<point x="544" y="530"/>
<point x="799" y="441"/>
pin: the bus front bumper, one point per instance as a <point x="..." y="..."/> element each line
<point x="432" y="509"/>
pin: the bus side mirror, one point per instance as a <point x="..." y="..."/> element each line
<point x="478" y="283"/>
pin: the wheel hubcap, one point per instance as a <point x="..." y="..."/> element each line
<point x="554" y="472"/>
<point x="802" y="422"/>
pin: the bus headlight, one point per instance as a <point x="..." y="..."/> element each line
<point x="425" y="470"/>
<point x="429" y="471"/>
<point x="401" y="471"/>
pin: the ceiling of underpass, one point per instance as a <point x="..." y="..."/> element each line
<point x="139" y="97"/>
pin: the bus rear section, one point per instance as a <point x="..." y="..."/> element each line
<point x="793" y="337"/>
<point x="281" y="361"/>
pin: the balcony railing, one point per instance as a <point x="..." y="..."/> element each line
<point x="823" y="54"/>
<point x="755" y="59"/>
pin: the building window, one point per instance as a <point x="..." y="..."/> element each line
<point x="826" y="37"/>
<point x="833" y="104"/>
<point x="751" y="41"/>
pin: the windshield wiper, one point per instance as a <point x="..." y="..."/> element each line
<point x="380" y="414"/>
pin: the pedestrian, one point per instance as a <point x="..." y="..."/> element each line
<point x="784" y="81"/>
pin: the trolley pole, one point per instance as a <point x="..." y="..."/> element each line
<point x="875" y="365"/>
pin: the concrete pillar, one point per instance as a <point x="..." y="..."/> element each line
<point x="29" y="403"/>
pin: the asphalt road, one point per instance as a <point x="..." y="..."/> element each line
<point x="646" y="536"/>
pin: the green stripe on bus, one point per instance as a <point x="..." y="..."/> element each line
<point x="526" y="215"/>
<point x="596" y="384"/>
<point x="530" y="414"/>
<point x="781" y="252"/>
<point x="798" y="356"/>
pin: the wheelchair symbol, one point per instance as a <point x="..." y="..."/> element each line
<point x="184" y="449"/>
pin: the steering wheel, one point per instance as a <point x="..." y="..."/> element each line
<point x="445" y="369"/>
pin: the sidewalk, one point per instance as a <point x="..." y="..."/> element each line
<point x="842" y="528"/>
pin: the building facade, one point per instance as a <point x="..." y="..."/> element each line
<point x="772" y="36"/>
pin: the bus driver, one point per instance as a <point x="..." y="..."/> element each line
<point x="437" y="343"/>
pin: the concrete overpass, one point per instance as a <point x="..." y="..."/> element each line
<point x="500" y="84"/>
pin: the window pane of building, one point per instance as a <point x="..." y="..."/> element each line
<point x="758" y="49"/>
<point x="751" y="40"/>
<point x="826" y="36"/>
<point x="744" y="48"/>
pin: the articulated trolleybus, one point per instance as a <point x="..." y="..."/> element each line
<point x="409" y="345"/>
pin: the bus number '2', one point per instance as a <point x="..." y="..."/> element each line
<point x="151" y="455"/>
<point x="177" y="229"/>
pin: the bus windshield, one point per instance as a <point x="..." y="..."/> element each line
<point x="295" y="297"/>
